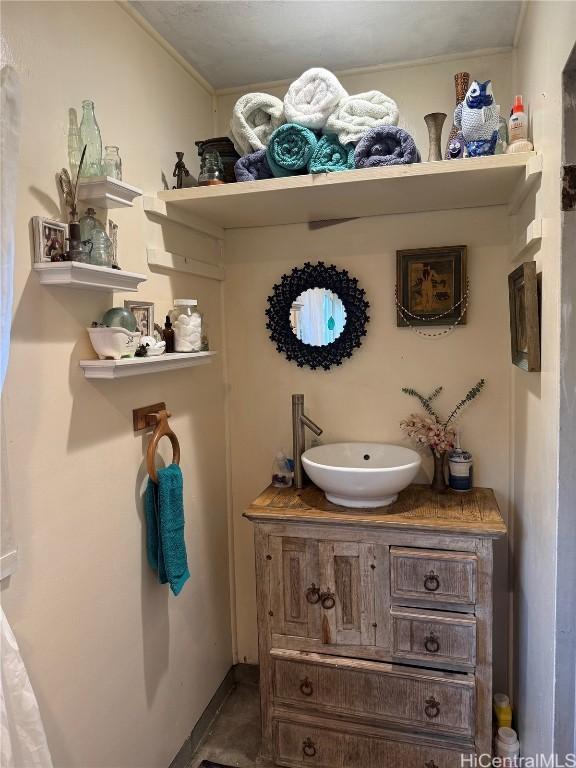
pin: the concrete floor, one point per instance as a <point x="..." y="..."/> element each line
<point x="234" y="736"/>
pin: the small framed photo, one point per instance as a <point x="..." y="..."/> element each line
<point x="431" y="286"/>
<point x="49" y="239"/>
<point x="524" y="317"/>
<point x="143" y="311"/>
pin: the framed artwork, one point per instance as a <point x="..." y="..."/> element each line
<point x="143" y="311"/>
<point x="431" y="286"/>
<point x="524" y="317"/>
<point x="49" y="239"/>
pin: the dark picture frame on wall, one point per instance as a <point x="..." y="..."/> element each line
<point x="432" y="286"/>
<point x="524" y="317"/>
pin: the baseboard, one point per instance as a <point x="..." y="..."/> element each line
<point x="246" y="674"/>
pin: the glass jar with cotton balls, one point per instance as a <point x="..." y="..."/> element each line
<point x="187" y="324"/>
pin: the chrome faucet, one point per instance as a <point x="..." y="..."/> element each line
<point x="299" y="422"/>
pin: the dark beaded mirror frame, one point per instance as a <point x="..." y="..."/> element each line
<point x="286" y="292"/>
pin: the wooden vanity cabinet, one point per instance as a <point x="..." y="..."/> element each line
<point x="375" y="629"/>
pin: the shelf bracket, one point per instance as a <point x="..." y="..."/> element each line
<point x="167" y="260"/>
<point x="156" y="208"/>
<point x="532" y="236"/>
<point x="526" y="185"/>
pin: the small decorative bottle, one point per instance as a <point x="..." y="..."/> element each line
<point x="282" y="475"/>
<point x="112" y="163"/>
<point x="74" y="143"/>
<point x="90" y="135"/>
<point x="168" y="334"/>
<point x="212" y="170"/>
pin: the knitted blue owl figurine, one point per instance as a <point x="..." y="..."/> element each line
<point x="478" y="119"/>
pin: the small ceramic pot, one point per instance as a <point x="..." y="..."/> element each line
<point x="114" y="343"/>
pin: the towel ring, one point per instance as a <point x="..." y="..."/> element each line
<point x="162" y="429"/>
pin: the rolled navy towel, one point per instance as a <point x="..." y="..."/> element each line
<point x="253" y="167"/>
<point x="386" y="145"/>
<point x="330" y="155"/>
<point x="290" y="148"/>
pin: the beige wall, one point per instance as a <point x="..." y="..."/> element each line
<point x="362" y="399"/>
<point x="547" y="37"/>
<point x="418" y="89"/>
<point x="121" y="668"/>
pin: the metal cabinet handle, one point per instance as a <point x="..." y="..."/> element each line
<point x="313" y="594"/>
<point x="306" y="688"/>
<point x="308" y="748"/>
<point x="328" y="600"/>
<point x="431" y="643"/>
<point x="432" y="708"/>
<point x="431" y="582"/>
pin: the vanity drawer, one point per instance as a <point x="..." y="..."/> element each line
<point x="432" y="576"/>
<point x="430" y="701"/>
<point x="329" y="746"/>
<point x="433" y="637"/>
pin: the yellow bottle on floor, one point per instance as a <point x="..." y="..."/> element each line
<point x="502" y="710"/>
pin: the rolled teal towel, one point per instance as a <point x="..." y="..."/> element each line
<point x="290" y="149"/>
<point x="164" y="506"/>
<point x="330" y="155"/>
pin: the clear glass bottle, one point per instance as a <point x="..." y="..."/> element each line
<point x="112" y="163"/>
<point x="211" y="170"/>
<point x="90" y="135"/>
<point x="101" y="254"/>
<point x="88" y="222"/>
<point x="74" y="143"/>
<point x="187" y="324"/>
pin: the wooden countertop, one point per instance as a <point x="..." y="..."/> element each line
<point x="418" y="508"/>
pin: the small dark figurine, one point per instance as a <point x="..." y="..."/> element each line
<point x="180" y="171"/>
<point x="142" y="351"/>
<point x="456" y="147"/>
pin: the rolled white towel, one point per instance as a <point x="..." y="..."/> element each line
<point x="357" y="114"/>
<point x="312" y="98"/>
<point x="254" y="118"/>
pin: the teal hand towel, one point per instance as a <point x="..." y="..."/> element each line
<point x="164" y="506"/>
<point x="290" y="149"/>
<point x="330" y="155"/>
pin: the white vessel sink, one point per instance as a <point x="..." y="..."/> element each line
<point x="361" y="474"/>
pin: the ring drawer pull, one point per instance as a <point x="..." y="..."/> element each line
<point x="328" y="600"/>
<point x="313" y="594"/>
<point x="308" y="747"/>
<point x="432" y="708"/>
<point x="431" y="582"/>
<point x="306" y="688"/>
<point x="431" y="643"/>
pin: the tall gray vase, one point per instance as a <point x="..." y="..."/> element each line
<point x="434" y="122"/>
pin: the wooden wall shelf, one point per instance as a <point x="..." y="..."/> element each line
<point x="436" y="186"/>
<point x="136" y="366"/>
<point x="75" y="274"/>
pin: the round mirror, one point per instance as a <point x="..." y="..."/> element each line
<point x="317" y="317"/>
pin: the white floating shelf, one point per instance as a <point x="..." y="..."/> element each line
<point x="75" y="274"/>
<point x="136" y="366"/>
<point x="106" y="192"/>
<point x="436" y="186"/>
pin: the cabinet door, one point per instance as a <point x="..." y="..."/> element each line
<point x="347" y="584"/>
<point x="296" y="582"/>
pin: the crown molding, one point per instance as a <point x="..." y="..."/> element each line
<point x="482" y="52"/>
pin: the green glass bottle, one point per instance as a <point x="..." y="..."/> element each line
<point x="90" y="135"/>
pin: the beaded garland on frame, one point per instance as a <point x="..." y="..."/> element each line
<point x="432" y="289"/>
<point x="285" y="294"/>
